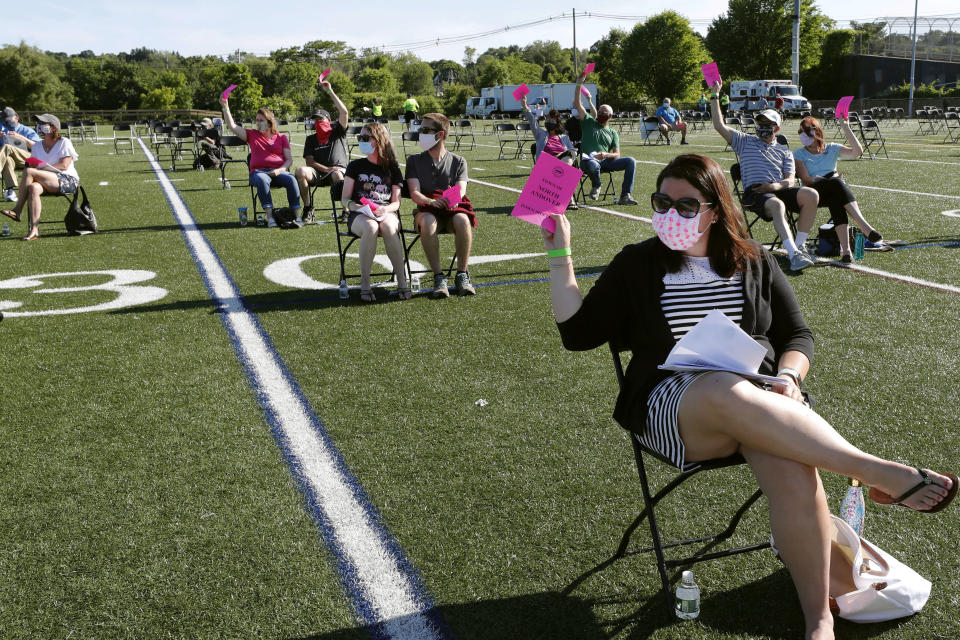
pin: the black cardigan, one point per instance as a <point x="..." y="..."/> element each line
<point x="624" y="308"/>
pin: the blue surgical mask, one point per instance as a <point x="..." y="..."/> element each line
<point x="366" y="148"/>
<point x="11" y="123"/>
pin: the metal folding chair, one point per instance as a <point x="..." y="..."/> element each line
<point x="345" y="238"/>
<point x="951" y="121"/>
<point x="738" y="189"/>
<point x="506" y="136"/>
<point x="872" y="139"/>
<point x="122" y="137"/>
<point x="463" y="129"/>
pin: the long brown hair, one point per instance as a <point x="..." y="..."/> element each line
<point x="270" y="118"/>
<point x="386" y="156"/>
<point x="729" y="248"/>
<point x="816" y="130"/>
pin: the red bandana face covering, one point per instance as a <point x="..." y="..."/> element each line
<point x="322" y="127"/>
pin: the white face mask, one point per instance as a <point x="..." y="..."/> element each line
<point x="44" y="129"/>
<point x="675" y="231"/>
<point x="806" y="140"/>
<point x="366" y="148"/>
<point x="427" y="141"/>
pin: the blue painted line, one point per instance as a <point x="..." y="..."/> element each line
<point x="364" y="607"/>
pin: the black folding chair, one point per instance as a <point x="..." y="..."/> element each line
<point x="408" y="136"/>
<point x="951" y="121"/>
<point x="463" y="129"/>
<point x="651" y="501"/>
<point x="345" y="238"/>
<point x="751" y="218"/>
<point x="226" y="157"/>
<point x="506" y="136"/>
<point x="872" y="138"/>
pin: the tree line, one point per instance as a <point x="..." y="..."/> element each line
<point x="657" y="58"/>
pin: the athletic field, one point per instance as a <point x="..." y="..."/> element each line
<point x="201" y="440"/>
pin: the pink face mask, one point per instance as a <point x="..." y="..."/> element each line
<point x="675" y="231"/>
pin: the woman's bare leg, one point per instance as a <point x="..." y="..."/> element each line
<point x="800" y="524"/>
<point x="721" y="412"/>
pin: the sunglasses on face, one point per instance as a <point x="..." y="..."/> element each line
<point x="686" y="207"/>
<point x="428" y="130"/>
<point x="364" y="137"/>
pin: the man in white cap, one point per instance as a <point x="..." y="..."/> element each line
<point x="16" y="141"/>
<point x="767" y="171"/>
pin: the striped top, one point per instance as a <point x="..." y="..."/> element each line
<point x="691" y="293"/>
<point x="761" y="161"/>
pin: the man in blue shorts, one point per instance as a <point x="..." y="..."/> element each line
<point x="767" y="170"/>
<point x="670" y="120"/>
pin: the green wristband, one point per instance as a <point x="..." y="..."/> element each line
<point x="559" y="253"/>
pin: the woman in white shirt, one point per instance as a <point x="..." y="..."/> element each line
<point x="50" y="170"/>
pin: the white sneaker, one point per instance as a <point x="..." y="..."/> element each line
<point x="11" y="195"/>
<point x="271" y="223"/>
<point x="800" y="261"/>
<point x="595" y="193"/>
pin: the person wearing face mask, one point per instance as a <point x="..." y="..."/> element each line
<point x="16" y="142"/>
<point x="552" y="139"/>
<point x="371" y="195"/>
<point x="652" y="294"/>
<point x="767" y="169"/>
<point x="428" y="175"/>
<point x="670" y="120"/>
<point x="55" y="173"/>
<point x="324" y="152"/>
<point x="270" y="159"/>
<point x="600" y="146"/>
<point x="817" y="168"/>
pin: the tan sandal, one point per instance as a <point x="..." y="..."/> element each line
<point x="10" y="214"/>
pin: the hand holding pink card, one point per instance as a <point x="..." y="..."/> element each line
<point x="843" y="107"/>
<point x="548" y="190"/>
<point x="711" y="74"/>
<point x="589" y="68"/>
<point x="34" y="162"/>
<point x="521" y="91"/>
<point x="226" y="92"/>
<point x="452" y="195"/>
<point x="323" y="74"/>
<point x="373" y="205"/>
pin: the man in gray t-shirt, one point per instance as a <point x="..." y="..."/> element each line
<point x="428" y="175"/>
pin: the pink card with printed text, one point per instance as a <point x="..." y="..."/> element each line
<point x="226" y="92"/>
<point x="843" y="107"/>
<point x="521" y="91"/>
<point x="589" y="68"/>
<point x="548" y="190"/>
<point x="711" y="74"/>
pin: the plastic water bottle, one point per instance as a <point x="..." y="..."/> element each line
<point x="415" y="285"/>
<point x="858" y="245"/>
<point x="688" y="597"/>
<point x="852" y="508"/>
<point x="6" y="230"/>
<point x="344" y="291"/>
<point x="242" y="212"/>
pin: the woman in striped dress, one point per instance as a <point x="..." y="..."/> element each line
<point x="652" y="293"/>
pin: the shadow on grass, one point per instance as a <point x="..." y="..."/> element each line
<point x="546" y="616"/>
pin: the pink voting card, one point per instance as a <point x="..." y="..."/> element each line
<point x="34" y="162"/>
<point x="226" y="92"/>
<point x="585" y="91"/>
<point x="711" y="74"/>
<point x="843" y="107"/>
<point x="521" y="91"/>
<point x="589" y="68"/>
<point x="548" y="190"/>
<point x="452" y="195"/>
<point x="323" y="74"/>
<point x="373" y="205"/>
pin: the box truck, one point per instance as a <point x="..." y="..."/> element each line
<point x="500" y="100"/>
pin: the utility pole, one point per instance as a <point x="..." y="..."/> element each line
<point x="575" y="69"/>
<point x="913" y="58"/>
<point x="795" y="64"/>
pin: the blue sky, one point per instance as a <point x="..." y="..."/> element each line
<point x="203" y="27"/>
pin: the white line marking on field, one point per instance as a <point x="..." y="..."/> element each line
<point x="381" y="581"/>
<point x="103" y="184"/>
<point x="953" y="213"/>
<point x="167" y="179"/>
<point x="913" y="193"/>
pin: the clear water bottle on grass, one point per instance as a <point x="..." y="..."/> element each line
<point x="688" y="597"/>
<point x="6" y="230"/>
<point x="852" y="508"/>
<point x="344" y="290"/>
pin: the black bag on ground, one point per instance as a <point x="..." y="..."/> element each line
<point x="286" y="218"/>
<point x="828" y="245"/>
<point x="80" y="219"/>
<point x="208" y="160"/>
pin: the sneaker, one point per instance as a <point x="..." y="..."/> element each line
<point x="595" y="193"/>
<point x="271" y="223"/>
<point x="308" y="215"/>
<point x="11" y="195"/>
<point x="800" y="261"/>
<point x="626" y="199"/>
<point x="684" y="142"/>
<point x="440" y="287"/>
<point x="462" y="284"/>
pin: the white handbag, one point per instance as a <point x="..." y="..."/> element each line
<point x="867" y="584"/>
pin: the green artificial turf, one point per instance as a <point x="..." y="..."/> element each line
<point x="144" y="495"/>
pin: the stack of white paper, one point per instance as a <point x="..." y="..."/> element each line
<point x="717" y="344"/>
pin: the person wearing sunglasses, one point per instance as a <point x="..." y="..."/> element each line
<point x="324" y="151"/>
<point x="655" y="291"/>
<point x="428" y="175"/>
<point x="371" y="194"/>
<point x="817" y="168"/>
<point x="270" y="159"/>
<point x="768" y="169"/>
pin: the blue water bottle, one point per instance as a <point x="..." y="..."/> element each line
<point x="858" y="240"/>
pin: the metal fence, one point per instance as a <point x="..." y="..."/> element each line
<point x="937" y="38"/>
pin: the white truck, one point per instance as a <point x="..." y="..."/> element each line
<point x="499" y="99"/>
<point x="746" y="95"/>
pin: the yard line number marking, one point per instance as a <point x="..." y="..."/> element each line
<point x="385" y="590"/>
<point x="121" y="281"/>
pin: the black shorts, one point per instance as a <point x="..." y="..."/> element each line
<point x="755" y="201"/>
<point x="410" y="116"/>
